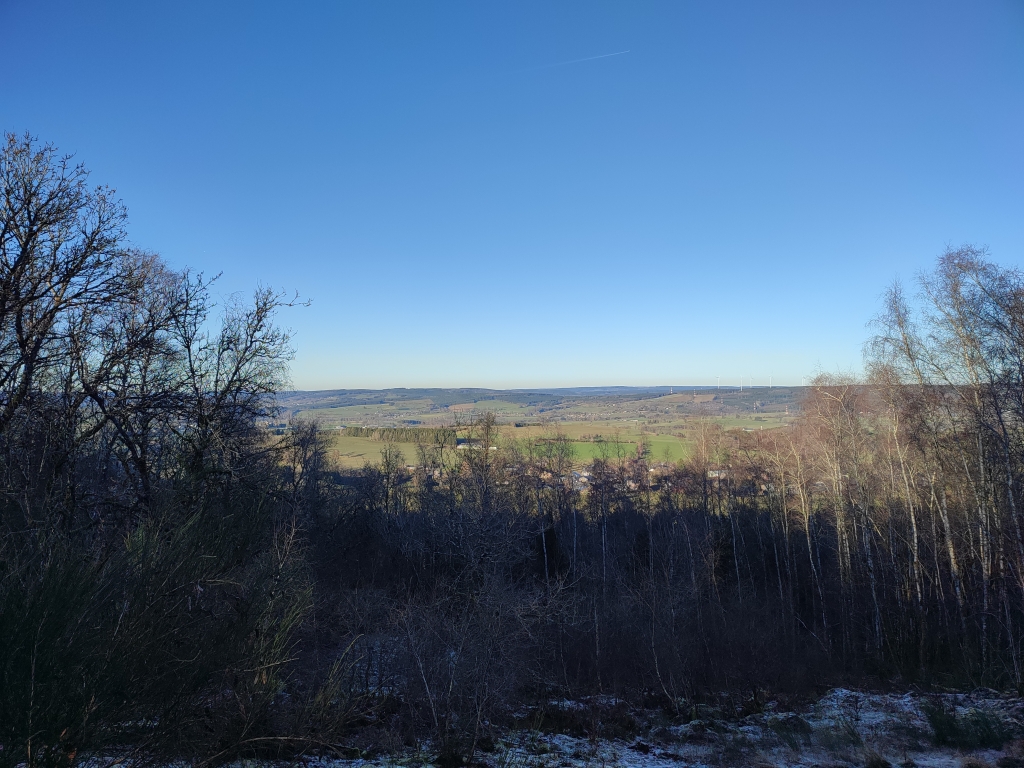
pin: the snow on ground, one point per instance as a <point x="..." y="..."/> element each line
<point x="843" y="728"/>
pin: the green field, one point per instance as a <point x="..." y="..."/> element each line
<point x="600" y="424"/>
<point x="353" y="452"/>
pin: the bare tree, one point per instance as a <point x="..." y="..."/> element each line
<point x="61" y="249"/>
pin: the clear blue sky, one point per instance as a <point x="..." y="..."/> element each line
<point x="464" y="208"/>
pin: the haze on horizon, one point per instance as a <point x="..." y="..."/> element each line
<point x="537" y="195"/>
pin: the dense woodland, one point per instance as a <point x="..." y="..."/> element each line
<point x="176" y="580"/>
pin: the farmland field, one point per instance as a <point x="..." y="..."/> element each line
<point x="353" y="452"/>
<point x="600" y="422"/>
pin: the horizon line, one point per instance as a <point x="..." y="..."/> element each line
<point x="558" y="387"/>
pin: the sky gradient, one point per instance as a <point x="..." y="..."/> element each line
<point x="476" y="194"/>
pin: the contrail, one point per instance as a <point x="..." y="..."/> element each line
<point x="574" y="61"/>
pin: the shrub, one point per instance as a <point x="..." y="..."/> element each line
<point x="839" y="736"/>
<point x="975" y="729"/>
<point x="792" y="730"/>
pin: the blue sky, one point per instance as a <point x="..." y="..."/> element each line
<point x="729" y="198"/>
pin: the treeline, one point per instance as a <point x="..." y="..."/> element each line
<point x="178" y="584"/>
<point x="402" y="434"/>
<point x="876" y="541"/>
<point x="153" y="580"/>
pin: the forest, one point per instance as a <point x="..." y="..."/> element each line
<point x="180" y="583"/>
